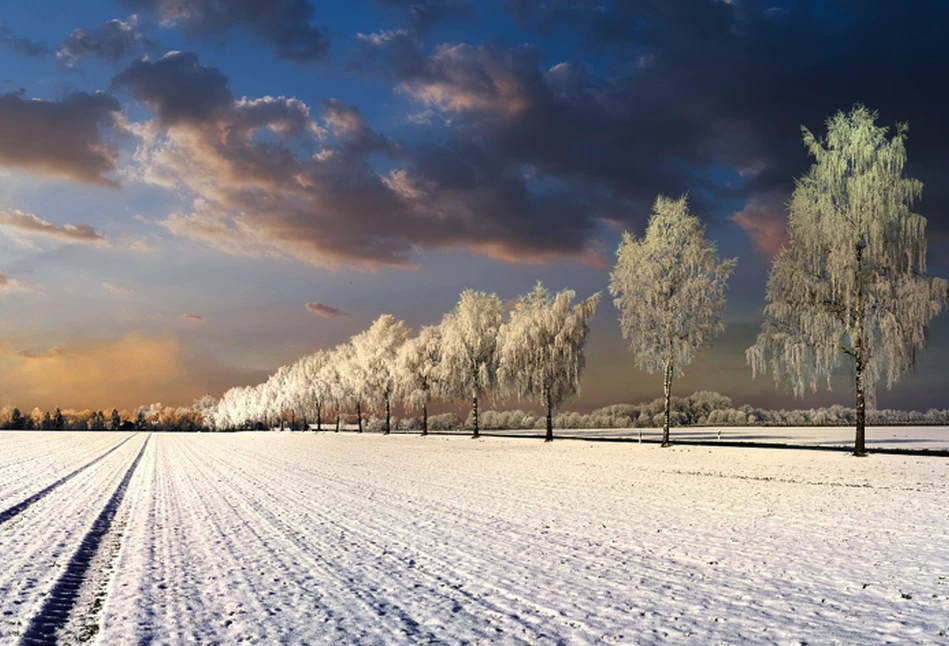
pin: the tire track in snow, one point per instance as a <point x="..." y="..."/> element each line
<point x="56" y="610"/>
<point x="11" y="512"/>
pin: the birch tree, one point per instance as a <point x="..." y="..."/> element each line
<point x="670" y="292"/>
<point x="374" y="355"/>
<point x="316" y="390"/>
<point x="469" y="348"/>
<point x="851" y="284"/>
<point x="541" y="348"/>
<point x="417" y="369"/>
<point x="352" y="389"/>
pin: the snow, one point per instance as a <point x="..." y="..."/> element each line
<point x="933" y="438"/>
<point x="343" y="538"/>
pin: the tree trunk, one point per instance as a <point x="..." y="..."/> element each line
<point x="424" y="419"/>
<point x="306" y="427"/>
<point x="667" y="390"/>
<point x="388" y="417"/>
<point x="550" y="421"/>
<point x="293" y="420"/>
<point x="859" y="444"/>
<point x="337" y="421"/>
<point x="474" y="411"/>
<point x="359" y="415"/>
<point x="319" y="418"/>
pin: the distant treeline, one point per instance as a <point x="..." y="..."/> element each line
<point x="702" y="408"/>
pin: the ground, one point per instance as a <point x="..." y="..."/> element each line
<point x="342" y="538"/>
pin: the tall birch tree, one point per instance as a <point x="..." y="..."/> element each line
<point x="417" y="370"/>
<point x="469" y="348"/>
<point x="541" y="348"/>
<point x="374" y="356"/>
<point x="851" y="283"/>
<point x="670" y="292"/>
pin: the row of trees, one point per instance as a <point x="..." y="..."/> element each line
<point x="151" y="417"/>
<point x="850" y="284"/>
<point x="537" y="355"/>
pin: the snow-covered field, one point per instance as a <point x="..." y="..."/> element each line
<point x="342" y="538"/>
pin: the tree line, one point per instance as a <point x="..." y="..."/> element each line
<point x="536" y="354"/>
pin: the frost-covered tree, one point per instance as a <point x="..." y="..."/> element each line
<point x="316" y="390"/>
<point x="851" y="282"/>
<point x="374" y="356"/>
<point x="670" y="292"/>
<point x="417" y="370"/>
<point x="350" y="385"/>
<point x="469" y="348"/>
<point x="331" y="377"/>
<point x="540" y="348"/>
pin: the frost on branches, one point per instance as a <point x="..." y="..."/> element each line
<point x="852" y="281"/>
<point x="417" y="367"/>
<point x="670" y="292"/>
<point x="469" y="348"/>
<point x="373" y="363"/>
<point x="541" y="348"/>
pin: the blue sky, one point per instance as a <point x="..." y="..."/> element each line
<point x="204" y="170"/>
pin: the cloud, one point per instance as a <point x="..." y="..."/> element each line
<point x="765" y="220"/>
<point x="21" y="45"/>
<point x="139" y="245"/>
<point x="8" y="284"/>
<point x="118" y="290"/>
<point x="698" y="96"/>
<point x="178" y="88"/>
<point x="266" y="180"/>
<point x="30" y="354"/>
<point x="71" y="233"/>
<point x="191" y="318"/>
<point x="423" y="14"/>
<point x="285" y="24"/>
<point x="62" y="138"/>
<point x="325" y="311"/>
<point x="122" y="373"/>
<point x="113" y="40"/>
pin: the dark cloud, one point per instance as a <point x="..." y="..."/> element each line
<point x="113" y="40"/>
<point x="704" y="96"/>
<point x="267" y="180"/>
<point x="178" y="88"/>
<point x="62" y="138"/>
<point x="29" y="223"/>
<point x="284" y="24"/>
<point x="325" y="311"/>
<point x="352" y="131"/>
<point x="45" y="354"/>
<point x="423" y="14"/>
<point x="21" y="45"/>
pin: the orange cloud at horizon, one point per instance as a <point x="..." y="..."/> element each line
<point x="125" y="373"/>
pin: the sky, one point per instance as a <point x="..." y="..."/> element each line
<point x="195" y="192"/>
